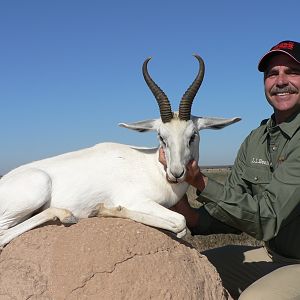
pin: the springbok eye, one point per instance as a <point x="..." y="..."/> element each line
<point x="162" y="140"/>
<point x="192" y="138"/>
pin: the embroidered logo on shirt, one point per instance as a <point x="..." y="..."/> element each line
<point x="259" y="161"/>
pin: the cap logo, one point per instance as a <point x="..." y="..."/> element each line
<point x="284" y="45"/>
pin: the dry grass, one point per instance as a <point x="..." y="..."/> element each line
<point x="202" y="243"/>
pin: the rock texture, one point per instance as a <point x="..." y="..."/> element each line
<point x="105" y="258"/>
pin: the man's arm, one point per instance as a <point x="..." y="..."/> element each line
<point x="199" y="221"/>
<point x="263" y="214"/>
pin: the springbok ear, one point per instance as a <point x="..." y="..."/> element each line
<point x="142" y="126"/>
<point x="213" y="123"/>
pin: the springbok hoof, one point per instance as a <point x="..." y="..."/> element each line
<point x="70" y="220"/>
<point x="182" y="233"/>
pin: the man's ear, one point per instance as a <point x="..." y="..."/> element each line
<point x="142" y="126"/>
<point x="213" y="123"/>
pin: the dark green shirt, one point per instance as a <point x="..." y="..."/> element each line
<point x="262" y="194"/>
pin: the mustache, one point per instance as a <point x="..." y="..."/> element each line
<point x="287" y="89"/>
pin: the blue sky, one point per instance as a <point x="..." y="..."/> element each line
<point x="70" y="70"/>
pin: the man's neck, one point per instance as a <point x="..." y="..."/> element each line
<point x="281" y="116"/>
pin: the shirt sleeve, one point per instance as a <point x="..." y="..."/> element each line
<point x="210" y="225"/>
<point x="260" y="215"/>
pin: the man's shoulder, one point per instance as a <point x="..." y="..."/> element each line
<point x="264" y="122"/>
<point x="260" y="130"/>
<point x="256" y="137"/>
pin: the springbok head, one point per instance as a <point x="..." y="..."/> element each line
<point x="178" y="131"/>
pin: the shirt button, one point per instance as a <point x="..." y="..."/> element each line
<point x="274" y="148"/>
<point x="255" y="178"/>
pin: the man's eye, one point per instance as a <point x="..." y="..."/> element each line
<point x="270" y="74"/>
<point x="295" y="72"/>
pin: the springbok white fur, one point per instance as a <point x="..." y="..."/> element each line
<point x="107" y="179"/>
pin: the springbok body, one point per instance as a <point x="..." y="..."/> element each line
<point x="111" y="179"/>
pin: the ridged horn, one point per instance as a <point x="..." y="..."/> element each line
<point x="188" y="97"/>
<point x="161" y="98"/>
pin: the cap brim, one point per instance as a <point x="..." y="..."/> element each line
<point x="262" y="63"/>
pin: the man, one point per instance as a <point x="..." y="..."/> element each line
<point x="262" y="194"/>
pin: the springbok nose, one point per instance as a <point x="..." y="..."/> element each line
<point x="178" y="174"/>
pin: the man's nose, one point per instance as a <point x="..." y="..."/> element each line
<point x="282" y="79"/>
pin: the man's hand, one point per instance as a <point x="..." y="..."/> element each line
<point x="162" y="160"/>
<point x="194" y="176"/>
<point x="162" y="157"/>
<point x="183" y="207"/>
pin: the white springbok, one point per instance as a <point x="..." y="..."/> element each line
<point x="111" y="179"/>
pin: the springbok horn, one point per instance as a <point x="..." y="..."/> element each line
<point x="188" y="97"/>
<point x="161" y="98"/>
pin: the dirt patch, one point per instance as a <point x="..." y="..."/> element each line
<point x="105" y="258"/>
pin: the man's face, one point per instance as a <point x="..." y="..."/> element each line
<point x="282" y="86"/>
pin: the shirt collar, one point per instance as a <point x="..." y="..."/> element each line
<point x="289" y="127"/>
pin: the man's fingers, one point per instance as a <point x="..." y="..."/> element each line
<point x="162" y="157"/>
<point x="192" y="165"/>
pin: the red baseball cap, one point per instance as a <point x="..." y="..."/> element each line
<point x="290" y="48"/>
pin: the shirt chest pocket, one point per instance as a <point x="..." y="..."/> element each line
<point x="256" y="179"/>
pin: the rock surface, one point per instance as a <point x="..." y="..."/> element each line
<point x="105" y="258"/>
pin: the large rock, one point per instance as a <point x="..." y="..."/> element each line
<point x="105" y="258"/>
